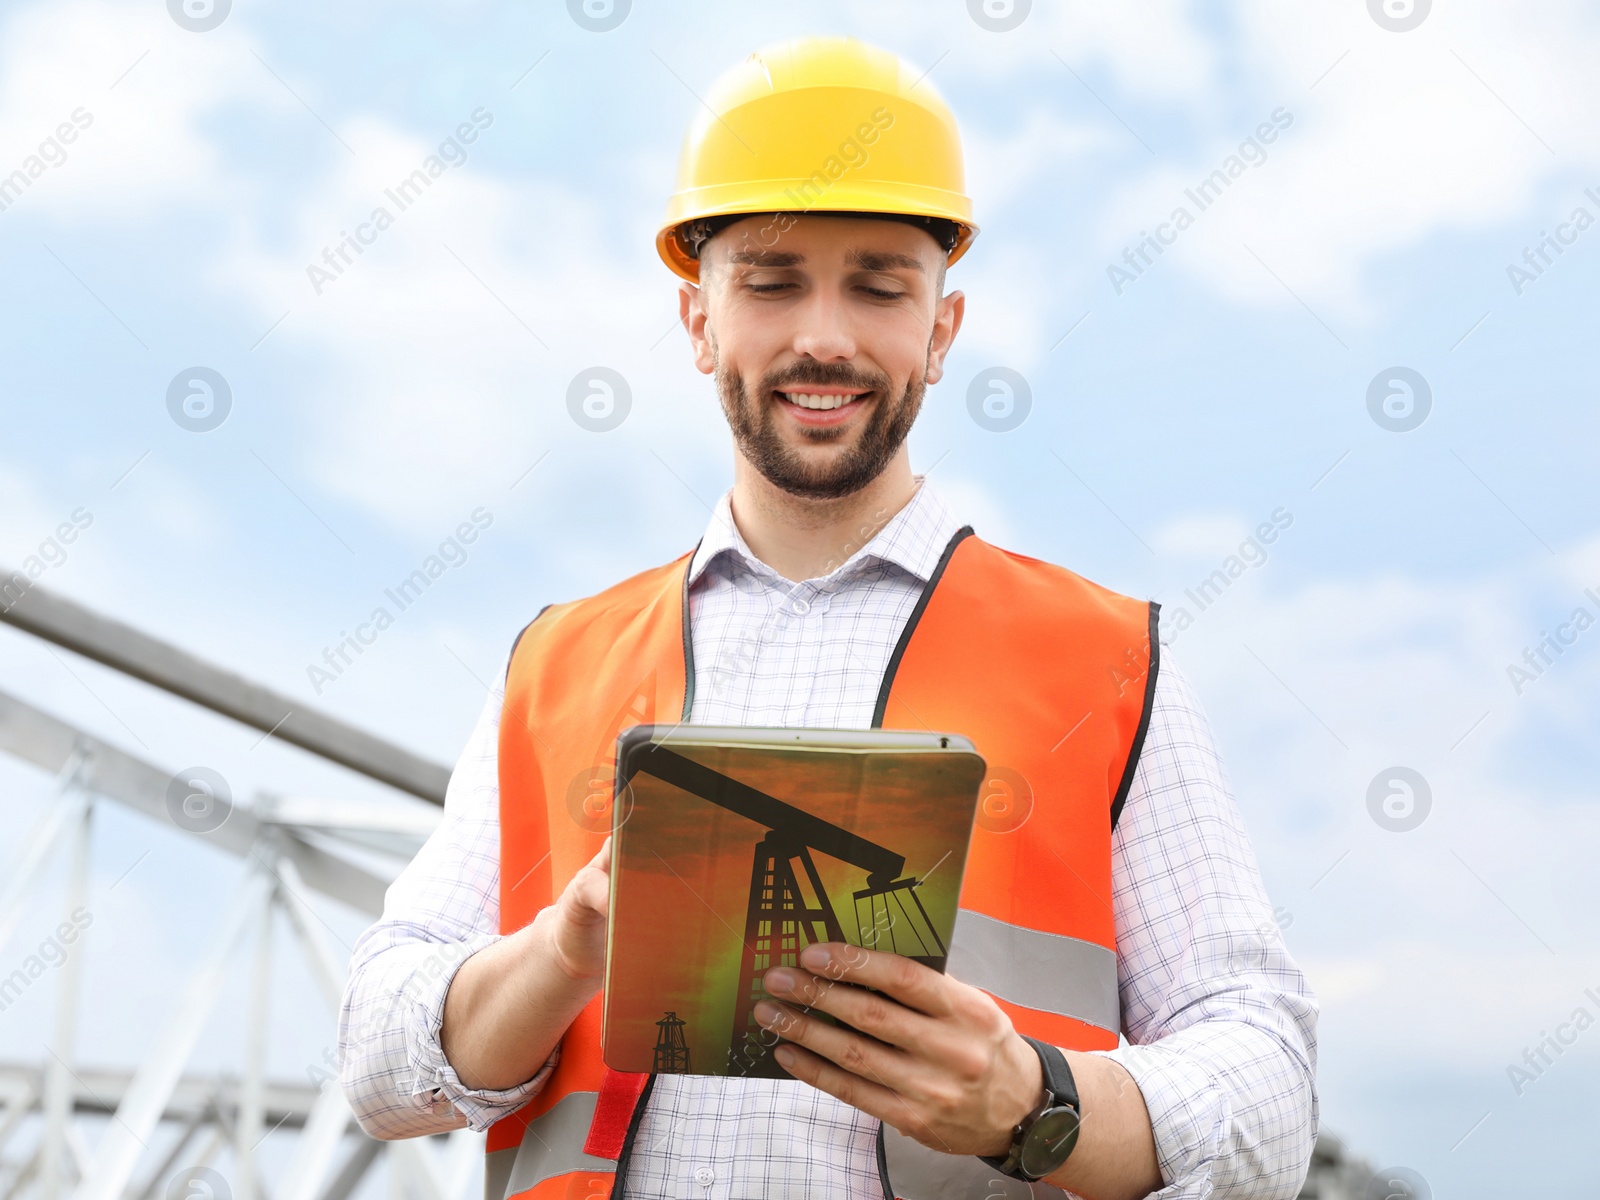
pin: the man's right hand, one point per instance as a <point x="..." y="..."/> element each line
<point x="511" y="1002"/>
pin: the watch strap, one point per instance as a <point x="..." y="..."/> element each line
<point x="1060" y="1088"/>
<point x="1058" y="1080"/>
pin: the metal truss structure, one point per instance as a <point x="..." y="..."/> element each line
<point x="167" y="1125"/>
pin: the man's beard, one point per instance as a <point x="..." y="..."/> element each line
<point x="754" y="426"/>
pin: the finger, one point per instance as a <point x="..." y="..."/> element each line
<point x="911" y="983"/>
<point x="591" y="894"/>
<point x="855" y="1052"/>
<point x="869" y="1096"/>
<point x="882" y="1017"/>
<point x="862" y="1092"/>
<point x="591" y="886"/>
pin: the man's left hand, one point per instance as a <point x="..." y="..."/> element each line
<point x="931" y="1056"/>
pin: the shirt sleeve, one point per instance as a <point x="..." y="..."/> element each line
<point x="443" y="908"/>
<point x="1220" y="1021"/>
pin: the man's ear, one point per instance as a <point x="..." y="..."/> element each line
<point x="692" y="312"/>
<point x="946" y="324"/>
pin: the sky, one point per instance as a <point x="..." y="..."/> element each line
<point x="1376" y="341"/>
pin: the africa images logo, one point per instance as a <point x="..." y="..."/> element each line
<point x="1399" y="399"/>
<point x="1399" y="16"/>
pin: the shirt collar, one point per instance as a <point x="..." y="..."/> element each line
<point x="914" y="539"/>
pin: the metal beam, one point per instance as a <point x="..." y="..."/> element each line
<point x="98" y="1091"/>
<point x="162" y="1172"/>
<point x="317" y="1146"/>
<point x="335" y="876"/>
<point x="151" y="1088"/>
<point x="249" y="1122"/>
<point x="327" y="965"/>
<point x="66" y="807"/>
<point x="354" y="1169"/>
<point x="69" y="624"/>
<point x="58" y="1085"/>
<point x="21" y="1103"/>
<point x="48" y="742"/>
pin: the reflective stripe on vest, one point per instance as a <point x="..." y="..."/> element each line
<point x="551" y="1146"/>
<point x="913" y="1172"/>
<point x="1042" y="971"/>
<point x="1050" y="676"/>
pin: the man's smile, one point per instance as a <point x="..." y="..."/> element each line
<point x="819" y="405"/>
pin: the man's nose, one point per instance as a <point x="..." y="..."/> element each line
<point x="825" y="331"/>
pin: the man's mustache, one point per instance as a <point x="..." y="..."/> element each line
<point x="824" y="375"/>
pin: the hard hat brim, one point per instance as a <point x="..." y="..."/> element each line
<point x="861" y="198"/>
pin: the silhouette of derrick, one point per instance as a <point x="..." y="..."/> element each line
<point x="672" y="1051"/>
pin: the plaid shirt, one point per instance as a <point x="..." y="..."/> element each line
<point x="1220" y="1024"/>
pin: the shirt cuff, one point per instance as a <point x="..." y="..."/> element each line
<point x="1188" y="1116"/>
<point x="1218" y="1131"/>
<point x="435" y="1082"/>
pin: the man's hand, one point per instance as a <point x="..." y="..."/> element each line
<point x="511" y="1002"/>
<point x="577" y="920"/>
<point x="942" y="1063"/>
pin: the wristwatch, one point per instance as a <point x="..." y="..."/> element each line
<point x="1045" y="1137"/>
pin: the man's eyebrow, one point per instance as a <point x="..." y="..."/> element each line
<point x="866" y="260"/>
<point x="765" y="258"/>
<point x="883" y="260"/>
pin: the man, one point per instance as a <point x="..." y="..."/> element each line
<point x="819" y="205"/>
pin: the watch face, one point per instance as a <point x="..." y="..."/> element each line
<point x="1049" y="1140"/>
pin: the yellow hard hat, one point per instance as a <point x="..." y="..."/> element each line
<point x="823" y="124"/>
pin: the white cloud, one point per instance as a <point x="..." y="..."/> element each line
<point x="1201" y="535"/>
<point x="1429" y="1007"/>
<point x="1000" y="169"/>
<point x="1450" y="946"/>
<point x="1407" y="136"/>
<point x="1580" y="565"/>
<point x="975" y="505"/>
<point x="30" y="518"/>
<point x="422" y="389"/>
<point x="1004" y="323"/>
<point x="145" y="88"/>
<point x="1155" y="50"/>
<point x="1152" y="50"/>
<point x="166" y="501"/>
<point x="446" y="347"/>
<point x="1340" y="982"/>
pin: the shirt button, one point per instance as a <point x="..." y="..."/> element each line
<point x="705" y="1176"/>
<point x="799" y="606"/>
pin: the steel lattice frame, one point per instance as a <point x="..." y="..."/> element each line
<point x="289" y="850"/>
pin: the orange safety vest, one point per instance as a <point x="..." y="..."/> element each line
<point x="1051" y="676"/>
